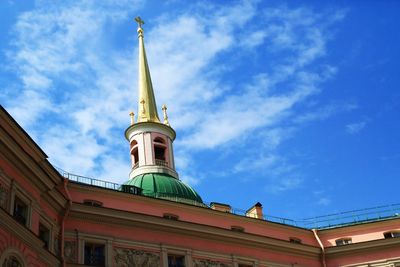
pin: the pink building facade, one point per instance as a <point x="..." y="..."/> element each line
<point x="52" y="218"/>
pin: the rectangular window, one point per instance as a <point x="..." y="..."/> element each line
<point x="20" y="211"/>
<point x="343" y="241"/>
<point x="176" y="261"/>
<point x="94" y="254"/>
<point x="44" y="235"/>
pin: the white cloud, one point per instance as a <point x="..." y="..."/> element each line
<point x="82" y="89"/>
<point x="285" y="184"/>
<point x="324" y="112"/>
<point x="354" y="128"/>
<point x="324" y="201"/>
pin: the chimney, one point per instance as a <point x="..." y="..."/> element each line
<point x="221" y="207"/>
<point x="255" y="211"/>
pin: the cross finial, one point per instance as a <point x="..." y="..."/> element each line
<point x="139" y="21"/>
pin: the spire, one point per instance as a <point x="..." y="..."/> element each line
<point x="147" y="102"/>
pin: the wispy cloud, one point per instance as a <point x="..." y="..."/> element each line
<point x="324" y="112"/>
<point x="80" y="87"/>
<point x="354" y="128"/>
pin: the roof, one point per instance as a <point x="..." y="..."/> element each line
<point x="164" y="186"/>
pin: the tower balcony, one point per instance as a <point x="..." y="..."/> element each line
<point x="161" y="162"/>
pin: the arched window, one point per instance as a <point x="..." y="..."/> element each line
<point x="134" y="154"/>
<point x="160" y="149"/>
<point x="159" y="152"/>
<point x="12" y="258"/>
<point x="11" y="261"/>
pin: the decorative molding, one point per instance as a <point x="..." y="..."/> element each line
<point x="124" y="257"/>
<point x="70" y="248"/>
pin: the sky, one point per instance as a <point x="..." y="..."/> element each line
<point x="293" y="104"/>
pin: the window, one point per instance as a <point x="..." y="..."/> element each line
<point x="295" y="240"/>
<point x="176" y="261"/>
<point x="94" y="254"/>
<point x="44" y="235"/>
<point x="391" y="234"/>
<point x="20" y="211"/>
<point x="93" y="203"/>
<point x="343" y="241"/>
<point x="171" y="216"/>
<point x="134" y="154"/>
<point x="3" y="196"/>
<point x="237" y="228"/>
<point x="11" y="261"/>
<point x="159" y="152"/>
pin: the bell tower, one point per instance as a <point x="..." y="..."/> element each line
<point x="150" y="139"/>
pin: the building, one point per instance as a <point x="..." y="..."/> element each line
<point x="49" y="217"/>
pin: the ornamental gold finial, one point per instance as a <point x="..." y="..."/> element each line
<point x="139" y="21"/>
<point x="132" y="115"/>
<point x="164" y="109"/>
<point x="143" y="108"/>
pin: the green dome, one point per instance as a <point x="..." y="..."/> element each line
<point x="164" y="186"/>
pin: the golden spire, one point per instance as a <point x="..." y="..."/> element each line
<point x="147" y="102"/>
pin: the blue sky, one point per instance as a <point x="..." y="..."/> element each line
<point x="293" y="104"/>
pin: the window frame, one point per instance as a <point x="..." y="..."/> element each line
<point x="50" y="226"/>
<point x="17" y="193"/>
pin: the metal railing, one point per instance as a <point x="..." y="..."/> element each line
<point x="320" y="222"/>
<point x="161" y="162"/>
<point x="353" y="217"/>
<point x="88" y="180"/>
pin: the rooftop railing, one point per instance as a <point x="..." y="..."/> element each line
<point x="320" y="222"/>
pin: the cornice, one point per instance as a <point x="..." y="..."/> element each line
<point x="117" y="217"/>
<point x="141" y="127"/>
<point x="363" y="247"/>
<point x="187" y="207"/>
<point x="8" y="123"/>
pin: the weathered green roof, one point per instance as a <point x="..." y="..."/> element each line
<point x="164" y="186"/>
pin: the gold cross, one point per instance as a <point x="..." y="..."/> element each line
<point x="139" y="21"/>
